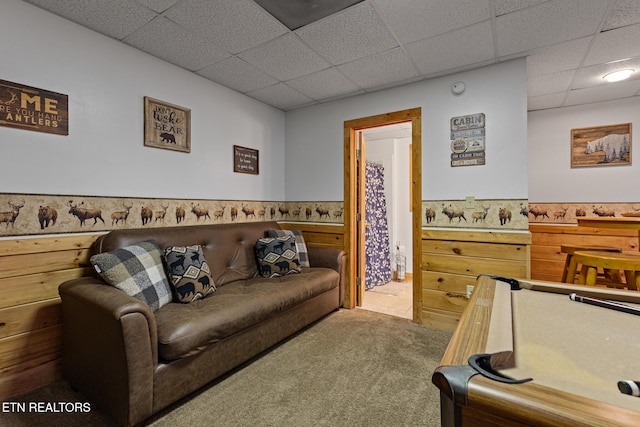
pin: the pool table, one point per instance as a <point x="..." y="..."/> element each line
<point x="545" y="360"/>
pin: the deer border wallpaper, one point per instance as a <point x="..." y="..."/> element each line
<point x="483" y="213"/>
<point x="515" y="214"/>
<point x="30" y="214"/>
<point x="35" y="214"/>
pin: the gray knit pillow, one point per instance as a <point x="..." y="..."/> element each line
<point x="136" y="270"/>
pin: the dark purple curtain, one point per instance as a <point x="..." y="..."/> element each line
<point x="377" y="249"/>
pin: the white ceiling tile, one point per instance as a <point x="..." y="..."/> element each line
<point x="548" y="23"/>
<point x="412" y="20"/>
<point x="365" y="43"/>
<point x="625" y="12"/>
<point x="550" y="83"/>
<point x="237" y="74"/>
<point x="115" y="18"/>
<point x="502" y="7"/>
<point x="281" y="96"/>
<point x="545" y="102"/>
<point x="612" y="91"/>
<point x="167" y="40"/>
<point x="453" y="49"/>
<point x="380" y="69"/>
<point x="158" y="5"/>
<point x="324" y="84"/>
<point x="395" y="84"/>
<point x="235" y="25"/>
<point x="354" y="33"/>
<point x="614" y="45"/>
<point x="285" y="58"/>
<point x="559" y="57"/>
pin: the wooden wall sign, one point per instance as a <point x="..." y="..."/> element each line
<point x="166" y="125"/>
<point x="467" y="140"/>
<point x="245" y="160"/>
<point x="30" y="108"/>
<point x="601" y="146"/>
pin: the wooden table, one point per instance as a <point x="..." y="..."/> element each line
<point x="624" y="223"/>
<point x="575" y="353"/>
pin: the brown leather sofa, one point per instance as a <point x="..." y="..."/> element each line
<point x="133" y="362"/>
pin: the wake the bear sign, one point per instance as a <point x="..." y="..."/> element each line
<point x="30" y="108"/>
<point x="166" y="125"/>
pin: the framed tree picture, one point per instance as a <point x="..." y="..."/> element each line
<point x="601" y="146"/>
<point x="166" y="125"/>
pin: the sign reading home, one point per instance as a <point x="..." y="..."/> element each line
<point x="467" y="140"/>
<point x="166" y="125"/>
<point x="30" y="108"/>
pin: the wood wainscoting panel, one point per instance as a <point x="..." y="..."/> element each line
<point x="31" y="269"/>
<point x="331" y="236"/>
<point x="36" y="287"/>
<point x="24" y="318"/>
<point x="451" y="261"/>
<point x="547" y="260"/>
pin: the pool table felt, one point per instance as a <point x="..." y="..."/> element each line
<point x="574" y="347"/>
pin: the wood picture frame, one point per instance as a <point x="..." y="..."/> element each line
<point x="166" y="125"/>
<point x="246" y="160"/>
<point x="601" y="146"/>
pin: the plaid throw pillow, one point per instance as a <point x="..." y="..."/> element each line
<point x="136" y="270"/>
<point x="301" y="247"/>
<point x="277" y="256"/>
<point x="189" y="273"/>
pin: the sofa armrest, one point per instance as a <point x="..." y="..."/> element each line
<point x="330" y="258"/>
<point x="110" y="348"/>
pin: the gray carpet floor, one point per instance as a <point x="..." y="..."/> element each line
<point x="352" y="368"/>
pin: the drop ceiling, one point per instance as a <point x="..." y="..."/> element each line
<point x="375" y="44"/>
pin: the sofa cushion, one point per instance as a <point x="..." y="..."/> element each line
<point x="186" y="329"/>
<point x="277" y="256"/>
<point x="301" y="246"/>
<point x="189" y="273"/>
<point x="137" y="270"/>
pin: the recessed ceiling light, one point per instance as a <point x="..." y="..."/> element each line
<point x="616" y="76"/>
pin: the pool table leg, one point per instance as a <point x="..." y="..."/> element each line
<point x="450" y="415"/>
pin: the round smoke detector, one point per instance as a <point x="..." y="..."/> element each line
<point x="458" y="88"/>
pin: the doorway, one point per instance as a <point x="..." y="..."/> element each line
<point x="354" y="218"/>
<point x="388" y="233"/>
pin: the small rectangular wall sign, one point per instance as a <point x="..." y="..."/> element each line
<point x="166" y="125"/>
<point x="468" y="140"/>
<point x="30" y="108"/>
<point x="246" y="160"/>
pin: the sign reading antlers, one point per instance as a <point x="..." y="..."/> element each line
<point x="30" y="108"/>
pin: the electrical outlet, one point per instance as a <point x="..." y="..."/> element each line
<point x="470" y="202"/>
<point x="469" y="291"/>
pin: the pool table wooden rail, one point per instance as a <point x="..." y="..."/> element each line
<point x="490" y="403"/>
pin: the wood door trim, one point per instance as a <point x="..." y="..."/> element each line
<point x="361" y="226"/>
<point x="413" y="115"/>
